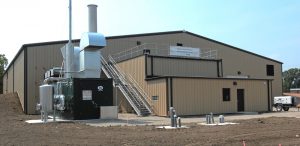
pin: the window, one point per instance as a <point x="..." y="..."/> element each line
<point x="154" y="97"/>
<point x="270" y="70"/>
<point x="179" y="44"/>
<point x="226" y="94"/>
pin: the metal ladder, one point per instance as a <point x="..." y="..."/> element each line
<point x="128" y="86"/>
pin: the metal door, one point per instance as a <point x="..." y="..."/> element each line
<point x="240" y="100"/>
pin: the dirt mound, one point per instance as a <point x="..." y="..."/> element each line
<point x="11" y="103"/>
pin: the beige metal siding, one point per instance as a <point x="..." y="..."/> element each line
<point x="19" y="77"/>
<point x="233" y="60"/>
<point x="236" y="60"/>
<point x="4" y="79"/>
<point x="10" y="80"/>
<point x="148" y="66"/>
<point x="158" y="88"/>
<point x="136" y="68"/>
<point x="253" y="66"/>
<point x="184" y="67"/>
<point x="277" y="82"/>
<point x="117" y="45"/>
<point x="201" y="96"/>
<point x="40" y="59"/>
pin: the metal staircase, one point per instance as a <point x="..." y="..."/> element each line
<point x="128" y="86"/>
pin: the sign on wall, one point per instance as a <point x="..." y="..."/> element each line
<point x="184" y="51"/>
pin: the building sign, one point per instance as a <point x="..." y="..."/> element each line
<point x="184" y="51"/>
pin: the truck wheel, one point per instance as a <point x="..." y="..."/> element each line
<point x="279" y="108"/>
<point x="286" y="108"/>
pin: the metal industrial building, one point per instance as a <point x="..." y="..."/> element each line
<point x="223" y="79"/>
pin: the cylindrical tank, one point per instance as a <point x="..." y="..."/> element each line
<point x="46" y="98"/>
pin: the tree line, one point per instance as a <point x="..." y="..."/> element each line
<point x="3" y="64"/>
<point x="291" y="79"/>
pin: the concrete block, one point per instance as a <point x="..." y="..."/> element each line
<point x="109" y="112"/>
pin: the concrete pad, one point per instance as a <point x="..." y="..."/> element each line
<point x="169" y="127"/>
<point x="218" y="124"/>
<point x="39" y="121"/>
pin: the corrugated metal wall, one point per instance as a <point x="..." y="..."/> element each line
<point x="19" y="77"/>
<point x="116" y="45"/>
<point x="158" y="88"/>
<point x="13" y="80"/>
<point x="194" y="96"/>
<point x="136" y="68"/>
<point x="148" y="66"/>
<point x="250" y="65"/>
<point x="4" y="79"/>
<point x="10" y="79"/>
<point x="40" y="59"/>
<point x="233" y="60"/>
<point x="183" y="67"/>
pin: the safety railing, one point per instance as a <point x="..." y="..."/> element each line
<point x="157" y="49"/>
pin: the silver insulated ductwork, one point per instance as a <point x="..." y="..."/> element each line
<point x="84" y="61"/>
<point x="89" y="49"/>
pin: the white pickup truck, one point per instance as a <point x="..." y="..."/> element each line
<point x="284" y="102"/>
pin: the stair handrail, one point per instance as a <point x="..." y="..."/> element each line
<point x="111" y="70"/>
<point x="133" y="83"/>
<point x="130" y="100"/>
<point x="143" y="93"/>
<point x="105" y="64"/>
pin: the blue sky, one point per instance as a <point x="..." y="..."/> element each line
<point x="267" y="27"/>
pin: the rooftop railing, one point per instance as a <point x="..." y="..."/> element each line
<point x="157" y="49"/>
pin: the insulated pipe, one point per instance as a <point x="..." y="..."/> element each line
<point x="92" y="18"/>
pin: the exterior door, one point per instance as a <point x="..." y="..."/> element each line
<point x="240" y="100"/>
